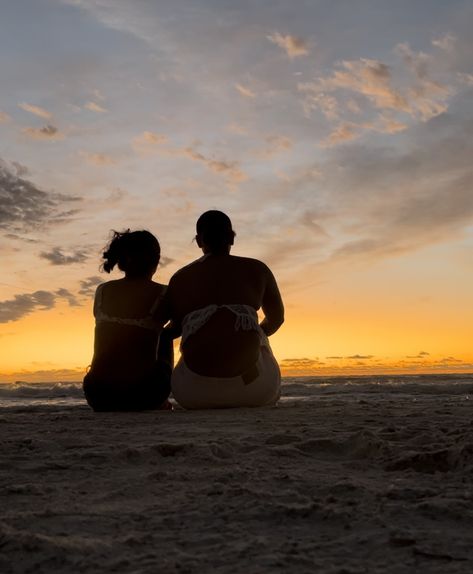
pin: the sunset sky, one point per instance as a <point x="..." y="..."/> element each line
<point x="337" y="135"/>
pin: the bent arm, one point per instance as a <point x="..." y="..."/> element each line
<point x="272" y="306"/>
<point x="163" y="311"/>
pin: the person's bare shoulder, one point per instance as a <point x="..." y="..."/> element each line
<point x="254" y="264"/>
<point x="184" y="272"/>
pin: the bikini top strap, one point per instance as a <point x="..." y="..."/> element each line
<point x="98" y="300"/>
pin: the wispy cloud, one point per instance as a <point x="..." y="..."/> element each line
<point x="165" y="261"/>
<point x="21" y="170"/>
<point x="48" y="133"/>
<point x="68" y="296"/>
<point x="326" y="103"/>
<point x="466" y="79"/>
<point x="341" y="365"/>
<point x="237" y="128"/>
<point x="58" y="257"/>
<point x="343" y="133"/>
<point x="4" y="117"/>
<point x="408" y="89"/>
<point x="420" y="355"/>
<point x="274" y="145"/>
<point x="436" y="171"/>
<point x="426" y="96"/>
<point x="230" y="169"/>
<point x="303" y="363"/>
<point x="36" y="110"/>
<point x="94" y="107"/>
<point x="148" y="141"/>
<point x="88" y="286"/>
<point x="445" y="42"/>
<point x="369" y="78"/>
<point x="98" y="159"/>
<point x="24" y="206"/>
<point x="292" y="45"/>
<point x="245" y="91"/>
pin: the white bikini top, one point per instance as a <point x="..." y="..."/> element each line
<point x="246" y="319"/>
<point x="144" y="322"/>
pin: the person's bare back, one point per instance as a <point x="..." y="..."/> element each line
<point x="220" y="279"/>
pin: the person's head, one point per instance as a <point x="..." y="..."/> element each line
<point x="214" y="232"/>
<point x="136" y="253"/>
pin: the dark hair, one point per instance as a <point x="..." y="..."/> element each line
<point x="135" y="252"/>
<point x="214" y="228"/>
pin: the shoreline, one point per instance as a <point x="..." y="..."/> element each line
<point x="332" y="376"/>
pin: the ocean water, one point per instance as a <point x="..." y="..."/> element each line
<point x="294" y="389"/>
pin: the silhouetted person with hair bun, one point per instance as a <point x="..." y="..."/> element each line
<point x="226" y="359"/>
<point x="132" y="364"/>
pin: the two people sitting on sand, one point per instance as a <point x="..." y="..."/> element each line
<point x="212" y="303"/>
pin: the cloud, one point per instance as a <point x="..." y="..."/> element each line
<point x="292" y="45"/>
<point x="308" y="220"/>
<point x="48" y="132"/>
<point x="99" y="159"/>
<point x="387" y="124"/>
<point x="398" y="199"/>
<point x="165" y="261"/>
<point x="44" y="375"/>
<point x="36" y="110"/>
<point x="70" y="297"/>
<point x="88" y="286"/>
<point x="24" y="304"/>
<point x="94" y="107"/>
<point x="21" y="170"/>
<point x="350" y="357"/>
<point x="230" y="169"/>
<point x="326" y="103"/>
<point x="122" y="16"/>
<point x="98" y="95"/>
<point x="57" y="257"/>
<point x="427" y="97"/>
<point x="302" y="363"/>
<point x="419" y="355"/>
<point x="148" y="141"/>
<point x="466" y="79"/>
<point x="370" y="78"/>
<point x="275" y="144"/>
<point x="24" y="206"/>
<point x="238" y="129"/>
<point x="343" y="133"/>
<point x="4" y="117"/>
<point x="408" y="88"/>
<point x="245" y="91"/>
<point x="446" y="42"/>
<point x="115" y="195"/>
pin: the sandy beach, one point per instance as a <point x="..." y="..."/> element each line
<point x="340" y="484"/>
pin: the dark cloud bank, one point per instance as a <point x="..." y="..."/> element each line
<point x="26" y="303"/>
<point x="23" y="205"/>
<point x="57" y="257"/>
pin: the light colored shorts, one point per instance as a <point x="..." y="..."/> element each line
<point x="193" y="391"/>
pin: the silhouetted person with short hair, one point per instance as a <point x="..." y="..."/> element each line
<point x="129" y="370"/>
<point x="226" y="358"/>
